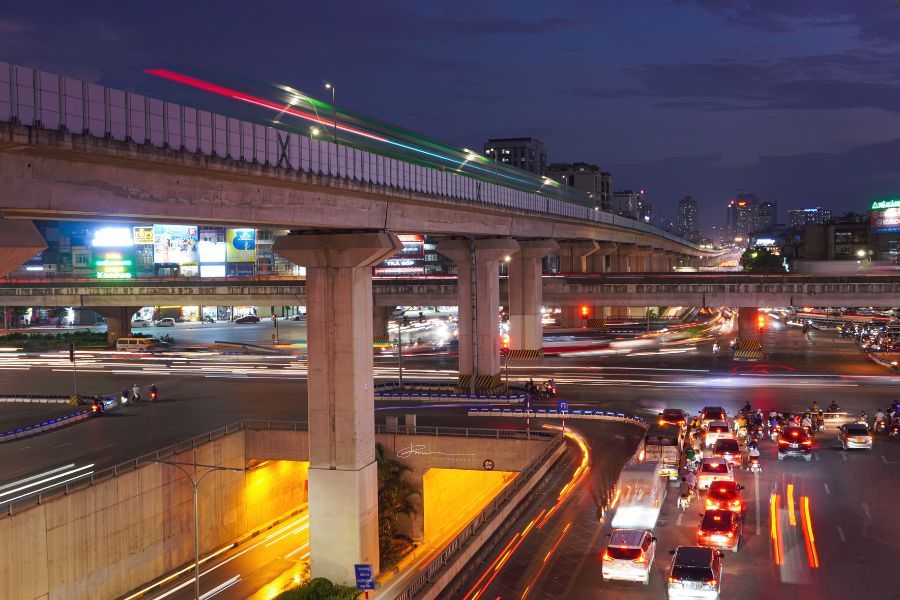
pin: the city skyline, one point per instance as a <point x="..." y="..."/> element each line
<point x="820" y="121"/>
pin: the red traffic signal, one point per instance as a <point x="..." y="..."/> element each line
<point x="504" y="345"/>
<point x="761" y="323"/>
<point x="585" y="312"/>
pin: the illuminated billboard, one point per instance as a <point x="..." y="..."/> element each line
<point x="112" y="237"/>
<point x="211" y="252"/>
<point x="113" y="264"/>
<point x="409" y="261"/>
<point x="143" y="235"/>
<point x="175" y="244"/>
<point x="240" y="245"/>
<point x="886" y="216"/>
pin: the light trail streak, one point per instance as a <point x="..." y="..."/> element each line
<point x="53" y="475"/>
<point x="774" y="533"/>
<point x="792" y="519"/>
<point x="221" y="587"/>
<point x="811" y="552"/>
<point x="546" y="558"/>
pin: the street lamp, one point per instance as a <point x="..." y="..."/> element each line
<point x="195" y="485"/>
<point x="400" y="323"/>
<point x="329" y="86"/>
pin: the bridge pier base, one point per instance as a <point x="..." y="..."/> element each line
<point x="479" y="308"/>
<point x="118" y="321"/>
<point x="343" y="476"/>
<point x="381" y="318"/>
<point x="526" y="331"/>
<point x="749" y="343"/>
<point x="20" y="241"/>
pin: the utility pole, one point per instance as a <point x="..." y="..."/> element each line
<point x="195" y="480"/>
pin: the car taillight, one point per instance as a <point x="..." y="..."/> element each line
<point x="730" y="534"/>
<point x="607" y="557"/>
<point x="673" y="580"/>
<point x="640" y="559"/>
<point x="712" y="583"/>
<point x="736" y="503"/>
<point x="806" y="442"/>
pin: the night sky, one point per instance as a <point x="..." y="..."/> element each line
<point x="795" y="100"/>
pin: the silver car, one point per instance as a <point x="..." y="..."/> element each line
<point x="855" y="436"/>
<point x="141" y="323"/>
<point x="167" y="322"/>
<point x="629" y="555"/>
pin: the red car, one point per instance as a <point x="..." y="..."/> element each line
<point x="720" y="529"/>
<point x="673" y="416"/>
<point x="725" y="495"/>
<point x="728" y="449"/>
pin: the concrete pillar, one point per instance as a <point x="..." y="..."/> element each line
<point x="479" y="345"/>
<point x="526" y="332"/>
<point x="598" y="258"/>
<point x="343" y="476"/>
<point x="573" y="256"/>
<point x="20" y="241"/>
<point x="118" y="321"/>
<point x="381" y="317"/>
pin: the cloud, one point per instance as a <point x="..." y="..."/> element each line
<point x="873" y="20"/>
<point x="869" y="79"/>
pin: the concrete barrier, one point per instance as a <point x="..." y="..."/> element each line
<point x="34" y="398"/>
<point x="50" y="425"/>
<point x="546" y="413"/>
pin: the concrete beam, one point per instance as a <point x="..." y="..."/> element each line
<point x="20" y="241"/>
<point x="343" y="477"/>
<point x="573" y="255"/>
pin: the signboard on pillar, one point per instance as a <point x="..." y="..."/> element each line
<point x="409" y="261"/>
<point x="365" y="579"/>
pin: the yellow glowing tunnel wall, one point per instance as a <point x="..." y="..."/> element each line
<point x="276" y="487"/>
<point x="452" y="497"/>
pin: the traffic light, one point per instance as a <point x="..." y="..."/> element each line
<point x="504" y="345"/>
<point x="585" y="312"/>
<point x="761" y="323"/>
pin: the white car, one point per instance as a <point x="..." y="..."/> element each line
<point x="714" y="469"/>
<point x="167" y="322"/>
<point x="629" y="555"/>
<point x="716" y="430"/>
<point x="141" y="323"/>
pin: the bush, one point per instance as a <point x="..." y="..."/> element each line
<point x="319" y="589"/>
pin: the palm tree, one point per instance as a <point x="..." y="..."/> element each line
<point x="394" y="494"/>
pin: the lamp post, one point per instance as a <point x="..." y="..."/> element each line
<point x="400" y="323"/>
<point x="195" y="485"/>
<point x="330" y="86"/>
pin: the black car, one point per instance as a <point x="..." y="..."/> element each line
<point x="247" y="319"/>
<point x="695" y="572"/>
<point x="793" y="441"/>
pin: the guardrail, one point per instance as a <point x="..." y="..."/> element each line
<point x="54" y="102"/>
<point x="11" y="507"/>
<point x="602" y="415"/>
<point x="49" y="425"/>
<point x="525" y="475"/>
<point x="469" y="432"/>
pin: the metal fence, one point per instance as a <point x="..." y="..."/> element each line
<point x="488" y="512"/>
<point x="469" y="432"/>
<point x="38" y="99"/>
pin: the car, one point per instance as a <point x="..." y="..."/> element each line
<point x="629" y="555"/>
<point x="696" y="572"/>
<point x="721" y="529"/>
<point x="247" y="319"/>
<point x="716" y="430"/>
<point x="673" y="416"/>
<point x="167" y="322"/>
<point x="713" y="469"/>
<point x="725" y="495"/>
<point x="793" y="441"/>
<point x="137" y="323"/>
<point x="728" y="449"/>
<point x="855" y="436"/>
<point x="712" y="413"/>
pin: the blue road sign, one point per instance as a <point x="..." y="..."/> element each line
<point x="562" y="406"/>
<point x="364" y="579"/>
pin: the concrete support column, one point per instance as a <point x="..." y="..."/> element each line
<point x="526" y="332"/>
<point x="573" y="256"/>
<point x="343" y="477"/>
<point x="118" y="321"/>
<point x="479" y="308"/>
<point x="381" y="318"/>
<point x="598" y="258"/>
<point x="20" y="241"/>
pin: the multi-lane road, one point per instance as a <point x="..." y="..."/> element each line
<point x="850" y="494"/>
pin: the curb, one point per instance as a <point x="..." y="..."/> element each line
<point x="52" y="424"/>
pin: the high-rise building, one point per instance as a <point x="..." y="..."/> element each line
<point x="767" y="216"/>
<point x="688" y="220"/>
<point x="741" y="216"/>
<point x="585" y="177"/>
<point x="524" y="153"/>
<point x="798" y="217"/>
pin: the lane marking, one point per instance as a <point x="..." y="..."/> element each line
<point x="844" y="455"/>
<point x="827" y="489"/>
<point x="678" y="520"/>
<point x="865" y="509"/>
<point x="841" y="533"/>
<point x="756" y="495"/>
<point x="816" y="456"/>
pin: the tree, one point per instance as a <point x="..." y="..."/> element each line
<point x="394" y="499"/>
<point x="762" y="260"/>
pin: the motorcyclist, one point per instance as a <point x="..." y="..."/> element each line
<point x="747" y="408"/>
<point x="879" y="417"/>
<point x="814" y="408"/>
<point x="136" y="393"/>
<point x="806" y="423"/>
<point x="691" y="480"/>
<point x="833" y="407"/>
<point x="125" y="396"/>
<point x="863" y="418"/>
<point x="154" y="393"/>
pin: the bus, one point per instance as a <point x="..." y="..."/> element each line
<point x="662" y="445"/>
<point x="640" y="494"/>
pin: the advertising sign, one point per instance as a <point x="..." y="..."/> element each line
<point x="886" y="220"/>
<point x="143" y="235"/>
<point x="240" y="245"/>
<point x="113" y="264"/>
<point x="112" y="237"/>
<point x="175" y="244"/>
<point x="211" y="252"/>
<point x="409" y="261"/>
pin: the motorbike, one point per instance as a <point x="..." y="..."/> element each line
<point x="207" y="319"/>
<point x="154" y="394"/>
<point x="754" y="465"/>
<point x="894" y="429"/>
<point x="881" y="426"/>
